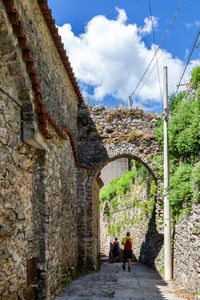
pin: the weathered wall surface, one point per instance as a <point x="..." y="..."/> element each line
<point x="103" y="131"/>
<point x="60" y="213"/>
<point x="187" y="250"/>
<point x="141" y="221"/>
<point x="105" y="237"/>
<point x="136" y="213"/>
<point x="106" y="135"/>
<point x="38" y="188"/>
<point x="58" y="95"/>
<point x="49" y="217"/>
<point x="18" y="214"/>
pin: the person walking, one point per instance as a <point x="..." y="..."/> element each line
<point x="127" y="253"/>
<point x="116" y="250"/>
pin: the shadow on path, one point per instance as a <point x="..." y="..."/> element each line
<point x="111" y="282"/>
<point x="153" y="243"/>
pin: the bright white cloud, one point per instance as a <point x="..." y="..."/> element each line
<point x="111" y="56"/>
<point x="148" y="25"/>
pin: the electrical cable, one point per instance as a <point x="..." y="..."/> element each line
<point x="154" y="41"/>
<point x="170" y="25"/>
<point x="196" y="37"/>
<point x="160" y="54"/>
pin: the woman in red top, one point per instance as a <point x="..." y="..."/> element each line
<point x="127" y="253"/>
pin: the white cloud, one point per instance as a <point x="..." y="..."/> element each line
<point x="148" y="25"/>
<point x="111" y="56"/>
<point x="196" y="24"/>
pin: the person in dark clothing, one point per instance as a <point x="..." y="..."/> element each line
<point x="116" y="250"/>
<point x="127" y="253"/>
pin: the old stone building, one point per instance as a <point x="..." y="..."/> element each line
<point x="52" y="151"/>
<point x="38" y="111"/>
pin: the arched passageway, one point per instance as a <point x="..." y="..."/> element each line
<point x="153" y="237"/>
<point x="104" y="136"/>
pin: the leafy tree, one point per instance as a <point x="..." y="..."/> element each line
<point x="175" y="100"/>
<point x="195" y="76"/>
<point x="183" y="130"/>
<point x="181" y="188"/>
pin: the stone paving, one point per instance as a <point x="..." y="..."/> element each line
<point x="111" y="281"/>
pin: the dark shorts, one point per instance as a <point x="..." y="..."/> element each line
<point x="115" y="253"/>
<point x="127" y="254"/>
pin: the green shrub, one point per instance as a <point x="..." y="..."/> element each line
<point x="184" y="127"/>
<point x="181" y="190"/>
<point x="125" y="182"/>
<point x="121" y="186"/>
<point x="183" y="130"/>
<point x="153" y="189"/>
<point x="195" y="76"/>
<point x="142" y="172"/>
<point x="196" y="181"/>
<point x="110" y="191"/>
<point x="174" y="101"/>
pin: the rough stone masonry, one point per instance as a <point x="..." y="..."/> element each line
<point x="49" y="213"/>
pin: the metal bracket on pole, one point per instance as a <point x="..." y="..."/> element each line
<point x="166" y="193"/>
<point x="166" y="115"/>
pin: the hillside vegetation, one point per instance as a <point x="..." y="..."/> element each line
<point x="184" y="147"/>
<point x="127" y="199"/>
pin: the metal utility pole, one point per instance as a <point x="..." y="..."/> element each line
<point x="167" y="225"/>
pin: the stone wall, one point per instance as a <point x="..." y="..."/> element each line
<point x="95" y="223"/>
<point x="103" y="131"/>
<point x="38" y="187"/>
<point x="60" y="213"/>
<point x="148" y="243"/>
<point x="19" y="213"/>
<point x="105" y="238"/>
<point x="49" y="217"/>
<point x="136" y="213"/>
<point x="106" y="135"/>
<point x="59" y="97"/>
<point x="186" y="254"/>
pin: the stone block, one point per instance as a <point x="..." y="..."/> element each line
<point x="5" y="230"/>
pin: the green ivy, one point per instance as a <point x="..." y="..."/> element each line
<point x="181" y="190"/>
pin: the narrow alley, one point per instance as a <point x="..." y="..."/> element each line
<point x="111" y="281"/>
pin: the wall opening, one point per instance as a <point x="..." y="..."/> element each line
<point x="128" y="203"/>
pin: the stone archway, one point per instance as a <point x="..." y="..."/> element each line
<point x="92" y="199"/>
<point x="106" y="135"/>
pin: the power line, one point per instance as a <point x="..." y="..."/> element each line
<point x="159" y="57"/>
<point x="154" y="41"/>
<point x="196" y="37"/>
<point x="157" y="49"/>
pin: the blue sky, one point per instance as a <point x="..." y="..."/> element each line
<point x="110" y="44"/>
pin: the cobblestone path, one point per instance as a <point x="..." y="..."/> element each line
<point x="111" y="282"/>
